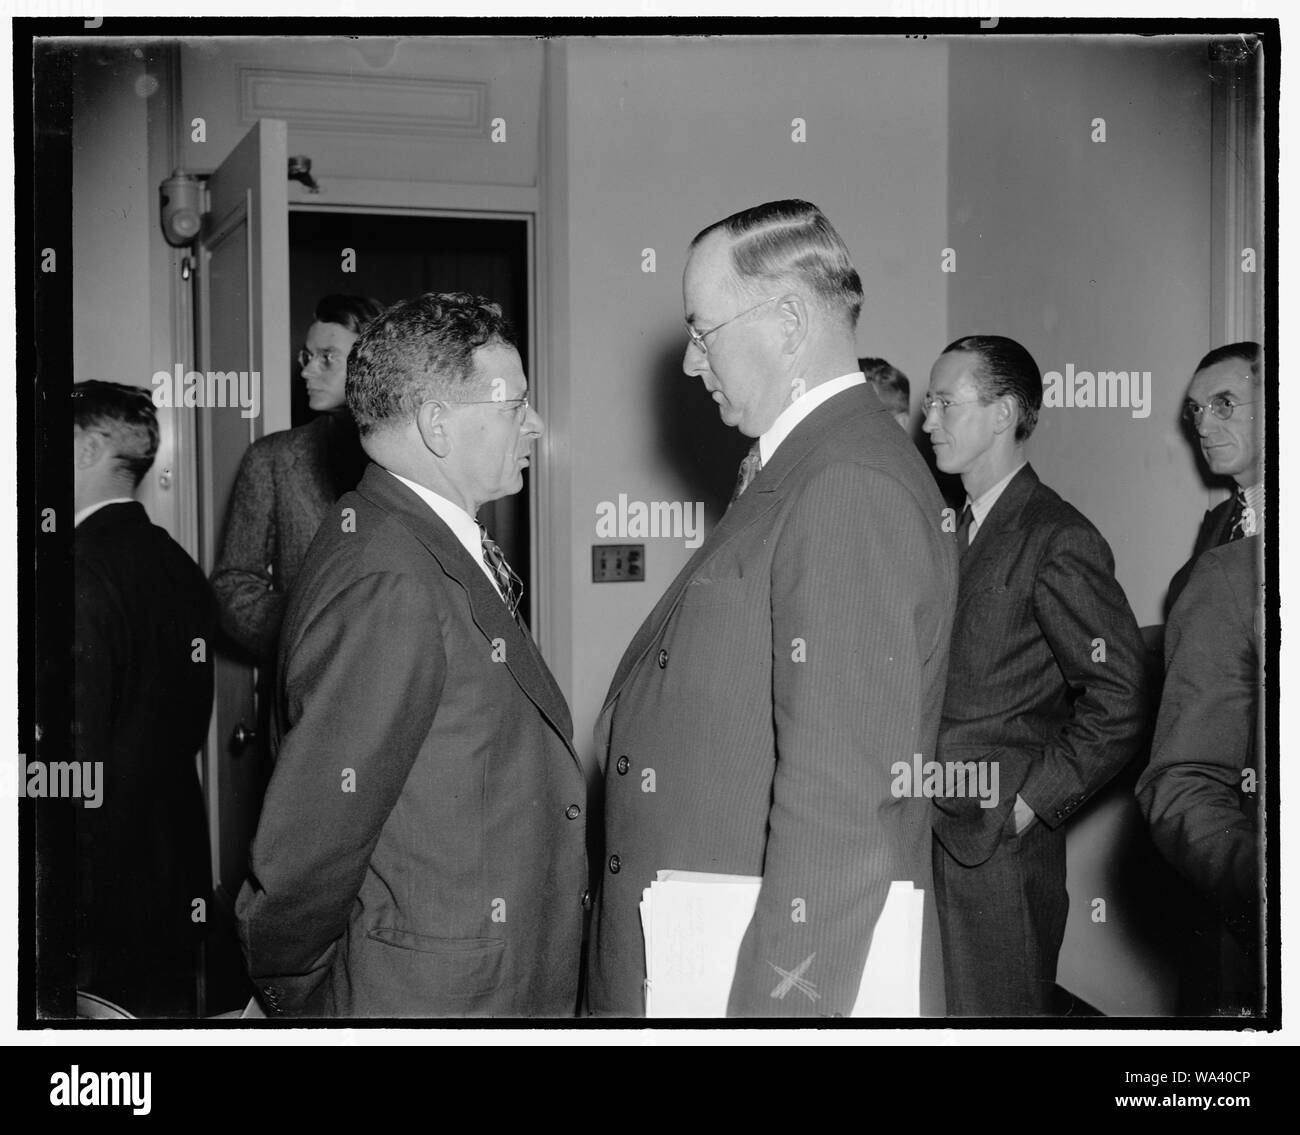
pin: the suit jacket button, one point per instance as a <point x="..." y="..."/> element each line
<point x="615" y="864"/>
<point x="573" y="811"/>
<point x="586" y="900"/>
<point x="663" y="658"/>
<point x="623" y="765"/>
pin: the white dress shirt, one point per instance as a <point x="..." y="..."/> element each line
<point x="988" y="498"/>
<point x="463" y="526"/>
<point x="800" y="408"/>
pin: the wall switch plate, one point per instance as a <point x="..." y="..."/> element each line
<point x="617" y="563"/>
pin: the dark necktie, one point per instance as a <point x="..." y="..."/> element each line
<point x="509" y="584"/>
<point x="749" y="468"/>
<point x="963" y="528"/>
<point x="1240" y="512"/>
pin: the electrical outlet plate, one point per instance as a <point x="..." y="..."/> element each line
<point x="617" y="563"/>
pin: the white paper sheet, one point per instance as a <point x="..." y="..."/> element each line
<point x="694" y="922"/>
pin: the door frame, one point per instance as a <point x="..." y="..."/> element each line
<point x="493" y="203"/>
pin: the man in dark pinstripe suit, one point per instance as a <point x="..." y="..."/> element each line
<point x="1045" y="684"/>
<point x="755" y="719"/>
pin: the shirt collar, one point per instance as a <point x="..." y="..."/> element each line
<point x="91" y="509"/>
<point x="463" y="526"/>
<point x="800" y="408"/>
<point x="989" y="497"/>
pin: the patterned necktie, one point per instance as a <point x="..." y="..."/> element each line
<point x="1243" y="518"/>
<point x="509" y="584"/>
<point x="749" y="468"/>
<point x="963" y="528"/>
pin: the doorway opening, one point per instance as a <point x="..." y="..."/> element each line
<point x="399" y="255"/>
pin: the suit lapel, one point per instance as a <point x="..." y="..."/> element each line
<point x="979" y="557"/>
<point x="765" y="491"/>
<point x="754" y="503"/>
<point x="1218" y="521"/>
<point x="488" y="612"/>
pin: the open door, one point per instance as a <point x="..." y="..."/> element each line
<point x="241" y="324"/>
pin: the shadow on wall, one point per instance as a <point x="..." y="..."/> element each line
<point x="705" y="453"/>
<point x="702" y="451"/>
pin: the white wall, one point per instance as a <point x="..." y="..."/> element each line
<point x="1096" y="254"/>
<point x="125" y="321"/>
<point x="657" y="140"/>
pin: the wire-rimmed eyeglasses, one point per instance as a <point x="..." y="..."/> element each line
<point x="929" y="402"/>
<point x="1220" y="405"/>
<point x="700" y="338"/>
<point x="514" y="404"/>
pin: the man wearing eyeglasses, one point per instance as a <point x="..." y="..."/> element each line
<point x="1221" y="408"/>
<point x="1045" y="692"/>
<point x="754" y="723"/>
<point x="1202" y="792"/>
<point x="421" y="851"/>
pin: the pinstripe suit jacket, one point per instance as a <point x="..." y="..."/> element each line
<point x="1030" y="686"/>
<point x="753" y="721"/>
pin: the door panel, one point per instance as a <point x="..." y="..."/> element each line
<point x="242" y="306"/>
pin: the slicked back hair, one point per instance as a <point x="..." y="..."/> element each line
<point x="418" y="350"/>
<point x="785" y="242"/>
<point x="352" y="312"/>
<point x="1248" y="352"/>
<point x="126" y="414"/>
<point x="1005" y="367"/>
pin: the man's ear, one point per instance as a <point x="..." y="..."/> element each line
<point x="792" y="311"/>
<point x="431" y="422"/>
<point x="88" y="448"/>
<point x="1008" y="414"/>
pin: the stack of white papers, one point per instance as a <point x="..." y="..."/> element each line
<point x="694" y="921"/>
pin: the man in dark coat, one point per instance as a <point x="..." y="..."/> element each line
<point x="144" y="620"/>
<point x="1045" y="686"/>
<point x="422" y="847"/>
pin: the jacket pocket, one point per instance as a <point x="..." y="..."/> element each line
<point x="448" y="967"/>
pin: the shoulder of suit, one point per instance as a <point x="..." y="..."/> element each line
<point x="1220" y="587"/>
<point x="371" y="519"/>
<point x="299" y="440"/>
<point x="1232" y="566"/>
<point x="871" y="469"/>
<point x="1058" y="521"/>
<point x="113" y="524"/>
<point x="869" y="439"/>
<point x="130" y="542"/>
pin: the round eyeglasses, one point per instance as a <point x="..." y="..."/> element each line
<point x="1221" y="406"/>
